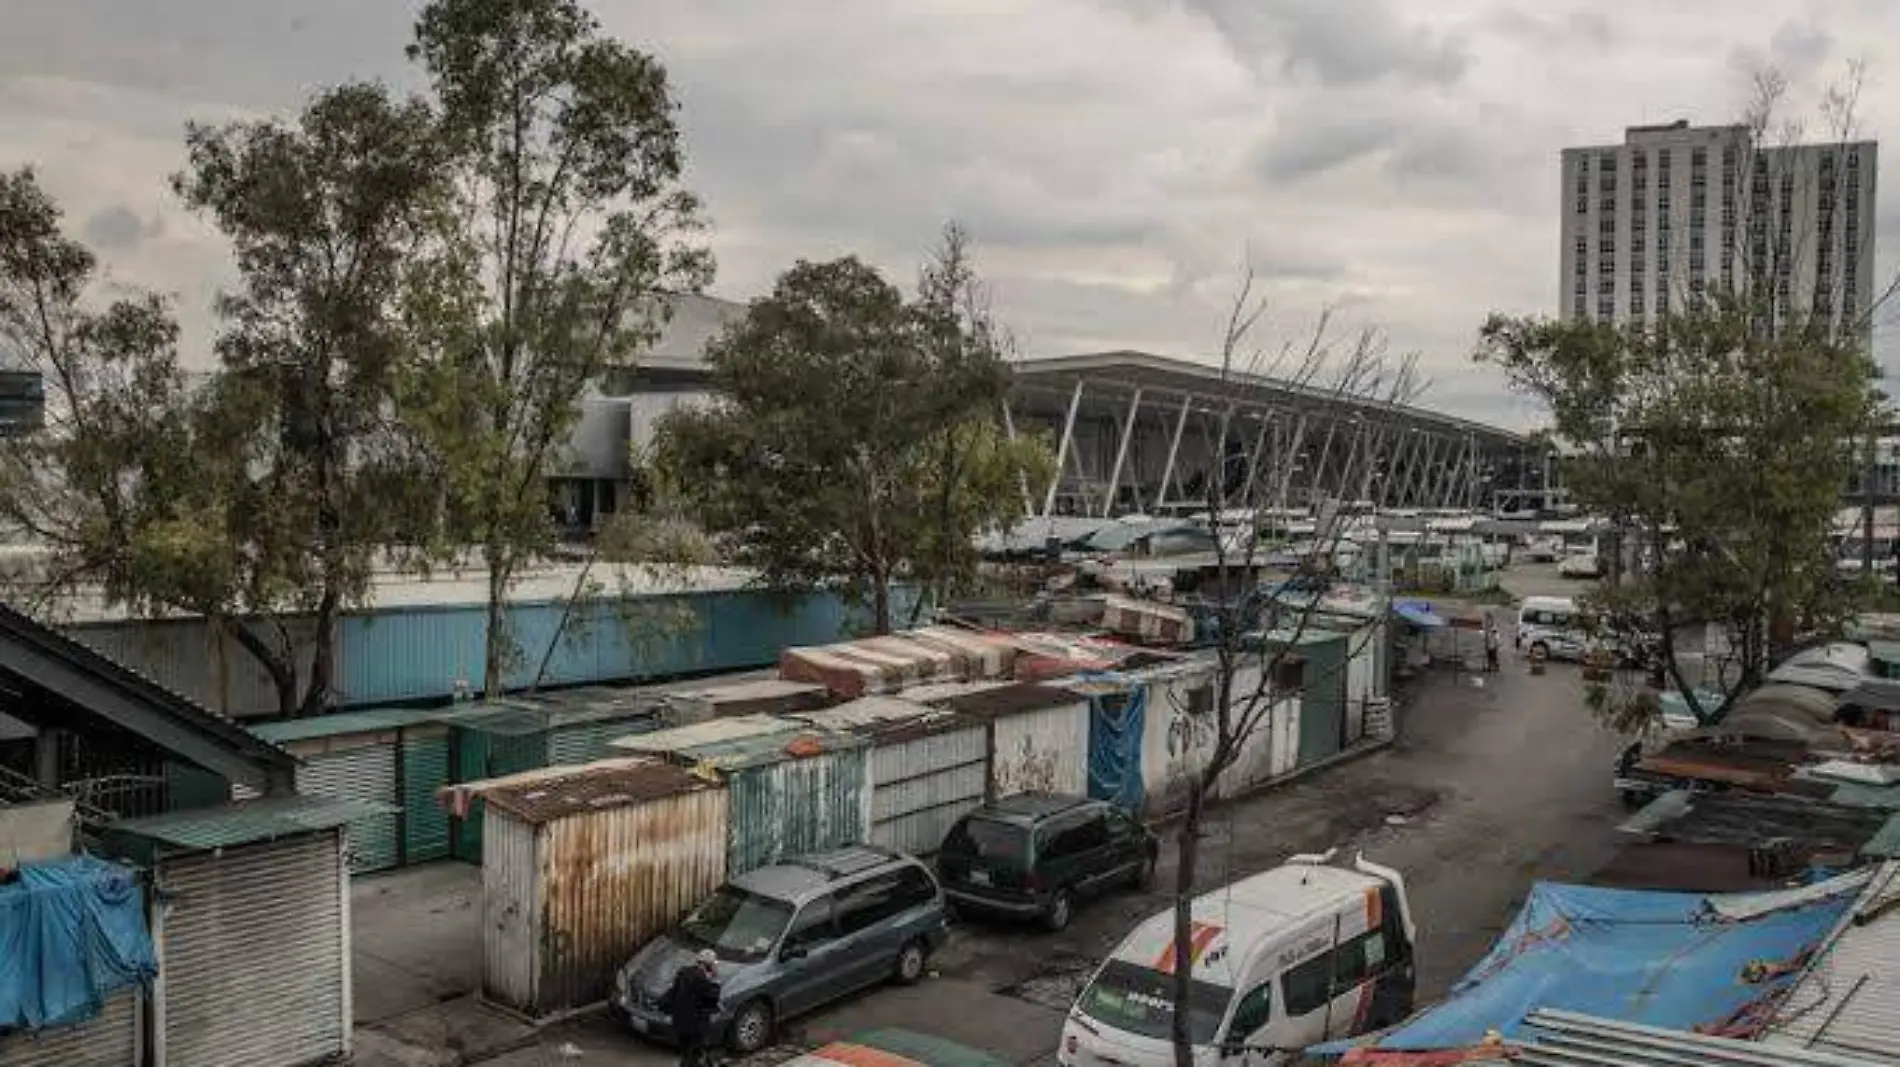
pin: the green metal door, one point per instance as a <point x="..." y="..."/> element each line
<point x="1322" y="696"/>
<point x="425" y="769"/>
<point x="480" y="754"/>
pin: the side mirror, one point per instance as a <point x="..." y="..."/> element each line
<point x="793" y="952"/>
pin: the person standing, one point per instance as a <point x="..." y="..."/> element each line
<point x="691" y="1003"/>
<point x="1490" y="644"/>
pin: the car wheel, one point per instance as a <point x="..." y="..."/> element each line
<point x="910" y="963"/>
<point x="751" y="1028"/>
<point x="1061" y="909"/>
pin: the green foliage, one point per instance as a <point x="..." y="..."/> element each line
<point x="101" y="485"/>
<point x="1718" y="443"/>
<point x="857" y="442"/>
<point x="300" y="480"/>
<point x="568" y="217"/>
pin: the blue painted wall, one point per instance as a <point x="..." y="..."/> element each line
<point x="421" y="653"/>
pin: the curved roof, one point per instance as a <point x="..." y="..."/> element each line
<point x="1166" y="374"/>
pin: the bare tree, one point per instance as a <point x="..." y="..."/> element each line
<point x="1351" y="390"/>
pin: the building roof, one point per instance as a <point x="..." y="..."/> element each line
<point x="69" y="685"/>
<point x="618" y="784"/>
<point x="1158" y="376"/>
<point x="1568" y="1039"/>
<point x="342" y="724"/>
<point x="244" y="822"/>
<point x="1756" y="820"/>
<point x="886" y="720"/>
<point x="738" y="741"/>
<point x="1007" y="700"/>
<point x="1848" y="1001"/>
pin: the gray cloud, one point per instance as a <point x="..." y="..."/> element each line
<point x="119" y="229"/>
<point x="1339" y="43"/>
<point x="1116" y="160"/>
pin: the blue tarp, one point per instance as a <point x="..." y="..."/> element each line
<point x="1418" y="613"/>
<point x="1117" y="716"/>
<point x="1660" y="959"/>
<point x="72" y="933"/>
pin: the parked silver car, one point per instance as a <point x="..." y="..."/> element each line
<point x="792" y="937"/>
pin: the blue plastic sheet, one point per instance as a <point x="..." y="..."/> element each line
<point x="1660" y="959"/>
<point x="72" y="933"/>
<point x="1419" y="614"/>
<point x="1116" y="721"/>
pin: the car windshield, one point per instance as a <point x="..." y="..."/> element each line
<point x="987" y="839"/>
<point x="1139" y="1000"/>
<point x="741" y="927"/>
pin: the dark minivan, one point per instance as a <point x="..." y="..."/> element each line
<point x="1035" y="855"/>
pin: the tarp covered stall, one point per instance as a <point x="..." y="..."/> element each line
<point x="73" y="937"/>
<point x="928" y="767"/>
<point x="1712" y="964"/>
<point x="1037" y="735"/>
<point x="582" y="867"/>
<point x="254" y="931"/>
<point x="1845" y="1004"/>
<point x="794" y="788"/>
<point x="1118" y="709"/>
<point x="1835" y="667"/>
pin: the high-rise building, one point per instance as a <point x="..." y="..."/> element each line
<point x="1676" y="211"/>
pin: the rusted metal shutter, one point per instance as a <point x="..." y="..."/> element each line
<point x="109" y="1039"/>
<point x="253" y="955"/>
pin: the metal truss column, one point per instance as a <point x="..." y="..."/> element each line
<point x="1440" y="494"/>
<point x="1009" y="431"/>
<point x="1062" y="450"/>
<point x="1174" y="450"/>
<point x="1420" y="479"/>
<point x="1121" y="454"/>
<point x="1319" y="463"/>
<point x="1289" y="460"/>
<point x="1253" y="461"/>
<point x="1399" y="467"/>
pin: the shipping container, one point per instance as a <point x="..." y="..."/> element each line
<point x="581" y="869"/>
<point x="928" y="767"/>
<point x="1037" y="735"/>
<point x="793" y="787"/>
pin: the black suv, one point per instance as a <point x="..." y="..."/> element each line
<point x="1034" y="855"/>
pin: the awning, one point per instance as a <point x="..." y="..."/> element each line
<point x="1419" y="614"/>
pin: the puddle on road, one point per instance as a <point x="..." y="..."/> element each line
<point x="1053" y="985"/>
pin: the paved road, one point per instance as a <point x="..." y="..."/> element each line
<point x="1494" y="784"/>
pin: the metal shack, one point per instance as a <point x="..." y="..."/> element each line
<point x="1037" y="735"/>
<point x="582" y="867"/>
<point x="253" y="930"/>
<point x="928" y="767"/>
<point x="794" y="787"/>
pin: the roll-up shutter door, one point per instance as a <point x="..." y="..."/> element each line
<point x="366" y="773"/>
<point x="109" y="1039"/>
<point x="425" y="769"/>
<point x="252" y="970"/>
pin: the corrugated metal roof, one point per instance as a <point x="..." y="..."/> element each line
<point x="592" y="789"/>
<point x="1884" y="845"/>
<point x="738" y="741"/>
<point x="1848" y="1002"/>
<point x="370" y="720"/>
<point x="1008" y="700"/>
<point x="886" y="720"/>
<point x="1566" y="1039"/>
<point x="1750" y="819"/>
<point x="246" y="822"/>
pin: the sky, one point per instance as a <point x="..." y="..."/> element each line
<point x="1117" y="163"/>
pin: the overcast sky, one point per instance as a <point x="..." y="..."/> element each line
<point x="1115" y="160"/>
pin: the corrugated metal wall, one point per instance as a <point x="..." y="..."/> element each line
<point x="789" y="806"/>
<point x="511" y="891"/>
<point x="1174" y="744"/>
<point x="1046" y="749"/>
<point x="422" y="653"/>
<point x="923" y="785"/>
<point x="1323" y="698"/>
<point x="109" y="1039"/>
<point x="612" y="880"/>
<point x="425" y="769"/>
<point x="366" y="772"/>
<point x="184" y="656"/>
<point x="588" y="741"/>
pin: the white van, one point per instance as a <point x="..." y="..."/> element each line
<point x="1552" y="623"/>
<point x="1310" y="951"/>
